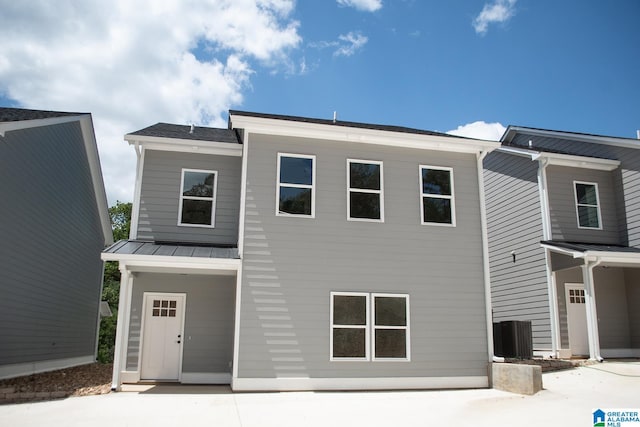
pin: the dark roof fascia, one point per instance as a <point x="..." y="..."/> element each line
<point x="184" y="132"/>
<point x="584" y="247"/>
<point x="512" y="131"/>
<point x="9" y="114"/>
<point x="389" y="128"/>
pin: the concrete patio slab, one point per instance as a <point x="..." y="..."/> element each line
<point x="568" y="399"/>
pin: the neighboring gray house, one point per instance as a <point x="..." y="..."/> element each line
<point x="289" y="253"/>
<point x="563" y="214"/>
<point x="54" y="223"/>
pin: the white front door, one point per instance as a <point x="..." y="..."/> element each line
<point x="577" y="319"/>
<point x="162" y="336"/>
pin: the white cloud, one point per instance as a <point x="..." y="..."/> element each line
<point x="346" y="45"/>
<point x="480" y="130"/>
<point x="364" y="5"/>
<point x="351" y="42"/>
<point x="132" y="64"/>
<point x="495" y="12"/>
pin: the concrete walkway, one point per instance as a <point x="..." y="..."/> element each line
<point x="568" y="399"/>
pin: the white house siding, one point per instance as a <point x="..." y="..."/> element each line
<point x="519" y="288"/>
<point x="160" y="197"/>
<point x="51" y="238"/>
<point x="290" y="265"/>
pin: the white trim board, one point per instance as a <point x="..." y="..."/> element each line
<point x="384" y="383"/>
<point x="21" y="369"/>
<point x="295" y="128"/>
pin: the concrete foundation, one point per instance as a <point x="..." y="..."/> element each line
<point x="514" y="378"/>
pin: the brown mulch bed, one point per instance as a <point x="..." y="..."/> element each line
<point x="83" y="380"/>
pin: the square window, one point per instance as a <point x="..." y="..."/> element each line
<point x="355" y="335"/>
<point x="296" y="185"/>
<point x="349" y="310"/>
<point x="197" y="198"/>
<point x="587" y="205"/>
<point x="365" y="190"/>
<point x="349" y="343"/>
<point x="390" y="343"/>
<point x="436" y="194"/>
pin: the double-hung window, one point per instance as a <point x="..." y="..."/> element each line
<point x="437" y="205"/>
<point x="296" y="185"/>
<point x="587" y="205"/>
<point x="365" y="190"/>
<point x="368" y="326"/>
<point x="198" y="198"/>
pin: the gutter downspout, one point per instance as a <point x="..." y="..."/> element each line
<point x="485" y="258"/>
<point x="547" y="235"/>
<point x="592" y="315"/>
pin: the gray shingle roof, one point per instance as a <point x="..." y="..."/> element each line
<point x="200" y="133"/>
<point x="20" y="114"/>
<point x="136" y="247"/>
<point x="342" y="123"/>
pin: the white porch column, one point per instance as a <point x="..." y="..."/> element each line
<point x="590" y="305"/>
<point x="122" y="327"/>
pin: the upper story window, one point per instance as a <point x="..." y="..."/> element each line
<point x="437" y="203"/>
<point x="198" y="198"/>
<point x="296" y="185"/>
<point x="357" y="335"/>
<point x="587" y="205"/>
<point x="365" y="195"/>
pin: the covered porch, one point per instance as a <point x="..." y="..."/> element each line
<point x="597" y="300"/>
<point x="176" y="317"/>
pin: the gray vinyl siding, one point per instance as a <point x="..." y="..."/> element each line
<point x="616" y="309"/>
<point x="160" y="197"/>
<point x="632" y="276"/>
<point x="626" y="179"/>
<point x="290" y="265"/>
<point x="611" y="302"/>
<point x="209" y="319"/>
<point x="562" y="205"/>
<point x="50" y="267"/>
<point x="519" y="289"/>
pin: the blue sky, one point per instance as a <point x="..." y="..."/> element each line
<point x="472" y="67"/>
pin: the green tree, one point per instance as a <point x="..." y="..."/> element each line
<point x="120" y="224"/>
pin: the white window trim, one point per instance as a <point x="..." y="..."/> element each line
<point x="312" y="186"/>
<point x="363" y="190"/>
<point x="575" y="199"/>
<point x="366" y="327"/>
<point x="370" y="328"/>
<point x="437" y="196"/>
<point x="213" y="200"/>
<point x="374" y="327"/>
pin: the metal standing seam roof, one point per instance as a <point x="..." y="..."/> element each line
<point x="136" y="247"/>
<point x="21" y="114"/>
<point x="199" y="133"/>
<point x="591" y="247"/>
